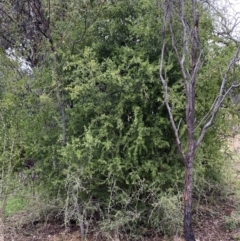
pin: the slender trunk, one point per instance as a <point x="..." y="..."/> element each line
<point x="1" y="222"/>
<point x="189" y="161"/>
<point x="58" y="91"/>
<point x="188" y="230"/>
<point x="60" y="104"/>
<point x="190" y="120"/>
<point x="80" y="218"/>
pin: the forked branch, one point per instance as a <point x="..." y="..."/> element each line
<point x="223" y="92"/>
<point x="164" y="82"/>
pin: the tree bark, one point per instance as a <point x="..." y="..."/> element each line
<point x="188" y="230"/>
<point x="1" y="222"/>
<point x="189" y="161"/>
<point x="190" y="86"/>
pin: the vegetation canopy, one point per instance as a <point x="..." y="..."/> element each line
<point x="118" y="100"/>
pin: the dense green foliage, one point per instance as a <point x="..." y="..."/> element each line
<point x="120" y="164"/>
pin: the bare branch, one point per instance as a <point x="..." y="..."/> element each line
<point x="165" y="86"/>
<point x="5" y="13"/>
<point x="221" y="96"/>
<point x="181" y="56"/>
<point x="207" y="115"/>
<point x="226" y="19"/>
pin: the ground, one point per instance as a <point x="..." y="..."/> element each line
<point x="212" y="222"/>
<point x="211" y="226"/>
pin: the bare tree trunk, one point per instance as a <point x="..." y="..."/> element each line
<point x="190" y="119"/>
<point x="190" y="49"/>
<point x="59" y="97"/>
<point x="189" y="161"/>
<point x="1" y="222"/>
<point x="188" y="230"/>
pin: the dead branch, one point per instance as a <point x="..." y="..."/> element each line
<point x="223" y="92"/>
<point x="164" y="82"/>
